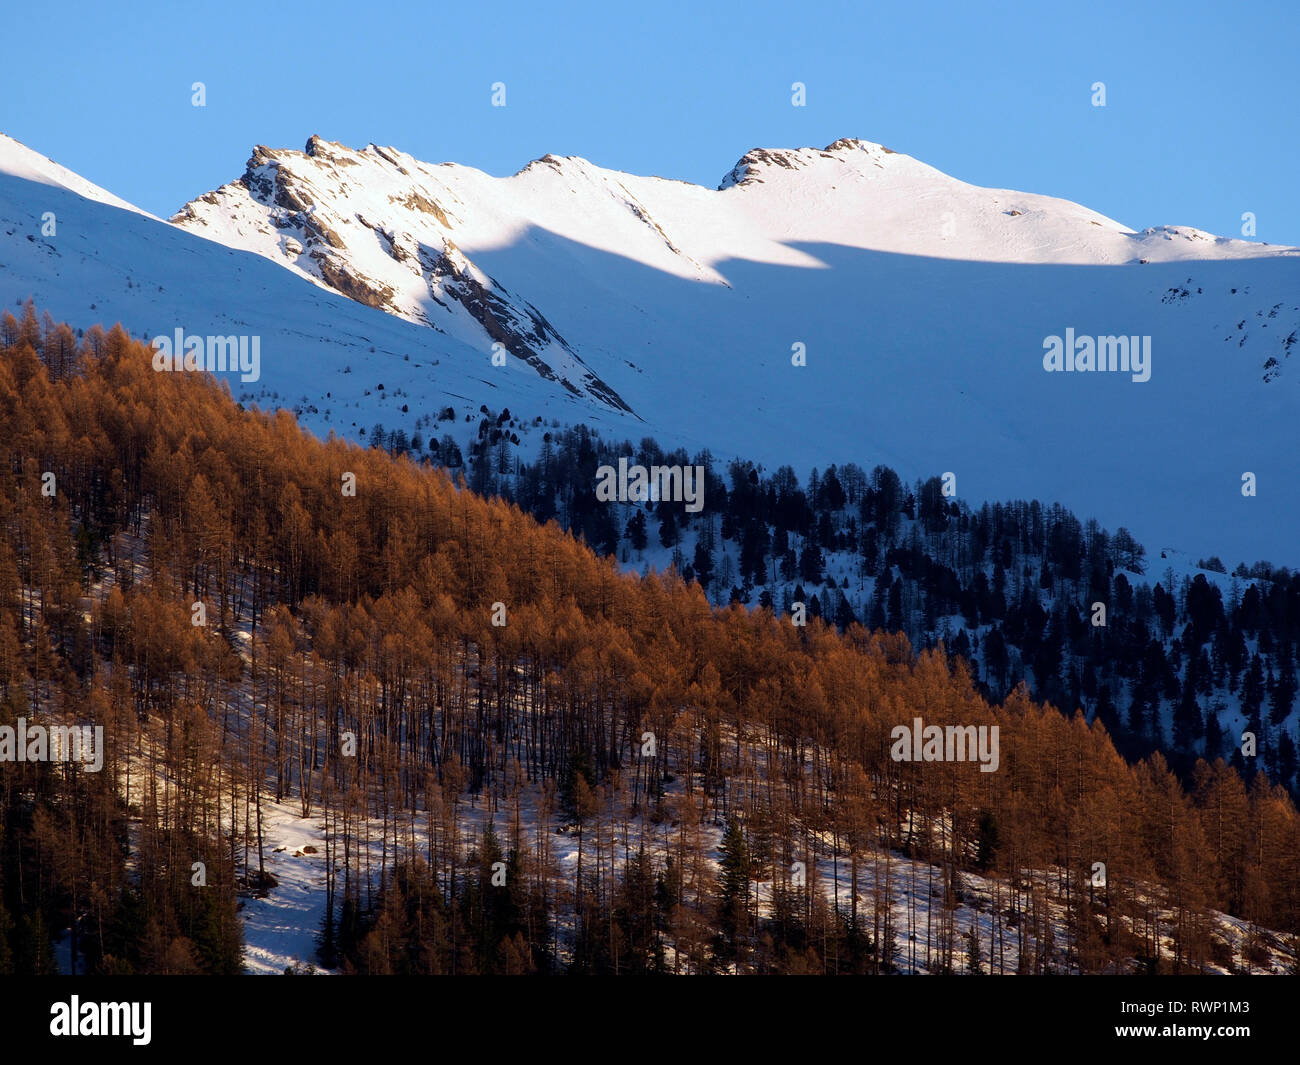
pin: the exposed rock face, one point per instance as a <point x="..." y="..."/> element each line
<point x="355" y="287"/>
<point x="751" y="164"/>
<point x="415" y="202"/>
<point x="507" y="320"/>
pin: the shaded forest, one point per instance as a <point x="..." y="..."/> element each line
<point x="1009" y="587"/>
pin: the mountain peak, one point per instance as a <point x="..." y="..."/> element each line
<point x="559" y="163"/>
<point x="319" y="148"/>
<point x="847" y="144"/>
<point x="751" y="165"/>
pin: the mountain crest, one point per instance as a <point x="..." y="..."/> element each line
<point x="752" y="164"/>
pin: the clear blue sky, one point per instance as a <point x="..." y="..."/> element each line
<point x="1202" y="119"/>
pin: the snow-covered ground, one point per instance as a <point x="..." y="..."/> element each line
<point x="282" y="928"/>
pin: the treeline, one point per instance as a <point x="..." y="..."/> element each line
<point x="259" y="617"/>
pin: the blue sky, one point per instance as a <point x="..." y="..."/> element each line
<point x="1201" y="123"/>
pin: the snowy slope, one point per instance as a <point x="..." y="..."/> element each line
<point x="19" y="161"/>
<point x="643" y="306"/>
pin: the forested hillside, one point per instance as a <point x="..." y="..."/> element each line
<point x="1185" y="659"/>
<point x="258" y="618"/>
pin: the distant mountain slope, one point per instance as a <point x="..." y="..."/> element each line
<point x="644" y="306"/>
